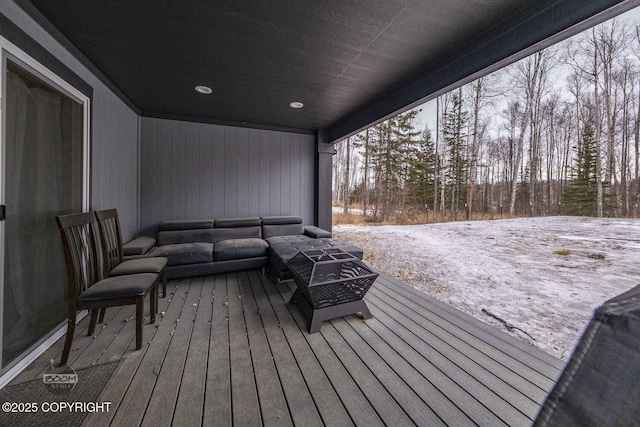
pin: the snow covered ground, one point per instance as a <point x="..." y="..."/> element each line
<point x="542" y="276"/>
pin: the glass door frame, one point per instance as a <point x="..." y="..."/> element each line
<point x="10" y="52"/>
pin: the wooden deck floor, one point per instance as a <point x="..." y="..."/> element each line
<point x="229" y="349"/>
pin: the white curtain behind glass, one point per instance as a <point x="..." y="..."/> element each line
<point x="43" y="171"/>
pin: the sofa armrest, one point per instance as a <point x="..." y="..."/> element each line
<point x="316" y="232"/>
<point x="138" y="246"/>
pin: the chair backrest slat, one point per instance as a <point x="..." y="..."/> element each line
<point x="80" y="240"/>
<point x="111" y="238"/>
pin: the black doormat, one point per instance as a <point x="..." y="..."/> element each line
<point x="63" y="397"/>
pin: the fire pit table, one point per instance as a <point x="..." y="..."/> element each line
<point x="331" y="283"/>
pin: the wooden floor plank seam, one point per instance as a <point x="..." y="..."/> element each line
<point x="302" y="324"/>
<point x="292" y="311"/>
<point x="164" y="396"/>
<point x="128" y="370"/>
<point x="372" y="387"/>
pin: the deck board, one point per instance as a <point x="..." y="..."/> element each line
<point x="325" y="396"/>
<point x="244" y="394"/>
<point x="387" y="408"/>
<point x="132" y="407"/>
<point x="192" y="390"/>
<point x="517" y="355"/>
<point x="528" y="354"/>
<point x="263" y="360"/>
<point x="351" y="395"/>
<point x="410" y="367"/>
<point x="416" y="408"/>
<point x="488" y="407"/>
<point x="168" y="382"/>
<point x="230" y="350"/>
<point x="217" y="407"/>
<point x="299" y="399"/>
<point x="445" y="347"/>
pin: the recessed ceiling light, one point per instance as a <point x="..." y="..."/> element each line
<point x="204" y="89"/>
<point x="296" y="104"/>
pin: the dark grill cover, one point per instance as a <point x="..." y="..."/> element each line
<point x="600" y="386"/>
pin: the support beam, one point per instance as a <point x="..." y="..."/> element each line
<point x="324" y="158"/>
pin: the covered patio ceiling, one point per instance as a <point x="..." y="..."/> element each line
<point x="351" y="63"/>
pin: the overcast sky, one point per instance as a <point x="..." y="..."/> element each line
<point x="428" y="114"/>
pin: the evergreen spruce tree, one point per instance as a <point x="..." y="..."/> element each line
<point x="455" y="121"/>
<point x="422" y="163"/>
<point x="406" y="137"/>
<point x="581" y="197"/>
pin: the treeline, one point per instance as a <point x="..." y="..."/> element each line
<point x="555" y="133"/>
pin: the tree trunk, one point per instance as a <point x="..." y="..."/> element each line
<point x="347" y="176"/>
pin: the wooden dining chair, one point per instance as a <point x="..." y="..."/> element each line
<point x="115" y="265"/>
<point x="88" y="289"/>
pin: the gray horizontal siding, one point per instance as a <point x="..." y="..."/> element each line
<point x="193" y="170"/>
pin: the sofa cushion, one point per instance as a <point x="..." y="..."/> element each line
<point x="280" y="220"/>
<point x="316" y="232"/>
<point x="221" y="234"/>
<point x="174" y="237"/>
<point x="281" y="226"/>
<point x="186" y="253"/>
<point x="282" y="230"/>
<point x="237" y="222"/>
<point x="239" y="249"/>
<point x="185" y="224"/>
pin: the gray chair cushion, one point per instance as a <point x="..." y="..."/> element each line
<point x="239" y="249"/>
<point x="119" y="287"/>
<point x="186" y="253"/>
<point x="138" y="246"/>
<point x="140" y="265"/>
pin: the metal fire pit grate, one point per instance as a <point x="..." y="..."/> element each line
<point x="330" y="277"/>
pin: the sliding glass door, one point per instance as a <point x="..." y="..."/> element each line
<point x="43" y="175"/>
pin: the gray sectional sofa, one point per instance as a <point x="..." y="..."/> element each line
<point x="210" y="246"/>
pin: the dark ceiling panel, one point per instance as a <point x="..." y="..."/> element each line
<point x="345" y="60"/>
